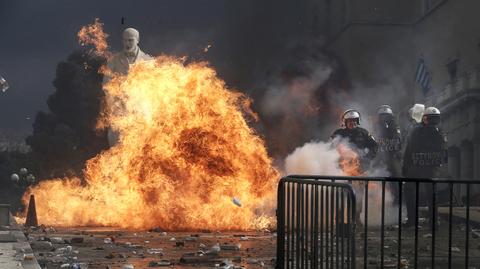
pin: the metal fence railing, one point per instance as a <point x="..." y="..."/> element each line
<point x="314" y="211"/>
<point x="316" y="224"/>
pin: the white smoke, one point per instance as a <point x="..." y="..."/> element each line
<point x="322" y="158"/>
<point x="313" y="158"/>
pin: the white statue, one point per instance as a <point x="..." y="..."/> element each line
<point x="120" y="63"/>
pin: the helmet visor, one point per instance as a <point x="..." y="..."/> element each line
<point x="433" y="119"/>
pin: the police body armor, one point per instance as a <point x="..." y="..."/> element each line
<point x="366" y="145"/>
<point x="389" y="147"/>
<point x="426" y="150"/>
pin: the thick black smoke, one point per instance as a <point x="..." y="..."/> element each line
<point x="65" y="137"/>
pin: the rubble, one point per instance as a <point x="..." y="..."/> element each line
<point x="214" y="250"/>
<point x="230" y="247"/>
<point x="57" y="240"/>
<point x="110" y="255"/>
<point x="75" y="240"/>
<point x="43" y="245"/>
<point x="155" y="251"/>
<point x="128" y="266"/>
<point x="226" y="264"/>
<point x="191" y="239"/>
<point x="159" y="263"/>
<point x="206" y="251"/>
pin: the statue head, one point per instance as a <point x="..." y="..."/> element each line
<point x="131" y="38"/>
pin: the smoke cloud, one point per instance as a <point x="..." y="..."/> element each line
<point x="313" y="158"/>
<point x="322" y="158"/>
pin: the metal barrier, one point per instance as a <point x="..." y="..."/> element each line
<point x="316" y="224"/>
<point x="444" y="245"/>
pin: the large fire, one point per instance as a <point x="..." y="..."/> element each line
<point x="186" y="158"/>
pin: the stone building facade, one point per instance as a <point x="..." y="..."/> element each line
<point x="380" y="42"/>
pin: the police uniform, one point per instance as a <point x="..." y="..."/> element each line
<point x="425" y="153"/>
<point x="389" y="150"/>
<point x="366" y="148"/>
<point x="366" y="145"/>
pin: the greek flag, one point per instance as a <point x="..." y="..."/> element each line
<point x="423" y="76"/>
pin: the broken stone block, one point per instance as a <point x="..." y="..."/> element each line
<point x="57" y="240"/>
<point x="77" y="240"/>
<point x="110" y="255"/>
<point x="191" y="239"/>
<point x="226" y="264"/>
<point x="230" y="247"/>
<point x="155" y="251"/>
<point x="43" y="245"/>
<point x="214" y="250"/>
<point x="128" y="266"/>
<point x="237" y="259"/>
<point x="159" y="263"/>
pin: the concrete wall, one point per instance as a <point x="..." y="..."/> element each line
<point x="386" y="11"/>
<point x="452" y="31"/>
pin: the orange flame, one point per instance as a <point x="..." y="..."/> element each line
<point x="185" y="151"/>
<point x="349" y="161"/>
<point x="93" y="34"/>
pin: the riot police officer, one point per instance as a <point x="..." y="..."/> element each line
<point x="364" y="145"/>
<point x="389" y="141"/>
<point x="425" y="154"/>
